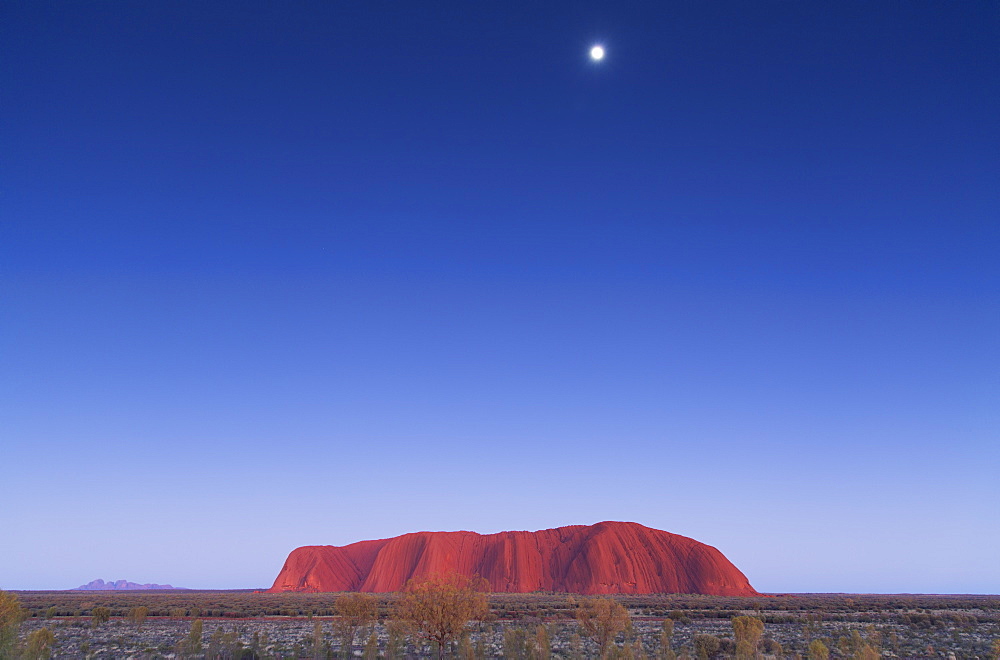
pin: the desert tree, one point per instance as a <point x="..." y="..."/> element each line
<point x="515" y="643"/>
<point x="666" y="640"/>
<point x="318" y="641"/>
<point x="11" y="615"/>
<point x="99" y="615"/>
<point x="813" y="626"/>
<point x="543" y="643"/>
<point x="867" y="652"/>
<point x="371" y="647"/>
<point x="396" y="633"/>
<point x="466" y="651"/>
<point x="894" y="641"/>
<point x="631" y="650"/>
<point x="191" y="645"/>
<point x="602" y="619"/>
<point x="39" y="645"/>
<point x="748" y="631"/>
<point x="818" y="651"/>
<point x="481" y="649"/>
<point x="137" y="615"/>
<point x="706" y="646"/>
<point x="438" y="608"/>
<point x="224" y="645"/>
<point x="256" y="645"/>
<point x="858" y="647"/>
<point x="354" y="611"/>
<point x="215" y="644"/>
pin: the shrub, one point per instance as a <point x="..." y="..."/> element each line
<point x="818" y="650"/>
<point x="354" y="611"/>
<point x="11" y="615"/>
<point x="99" y="615"/>
<point x="438" y="608"/>
<point x="602" y="619"/>
<point x="706" y="646"/>
<point x="137" y="615"/>
<point x="39" y="645"/>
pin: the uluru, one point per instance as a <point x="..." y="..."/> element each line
<point x="605" y="558"/>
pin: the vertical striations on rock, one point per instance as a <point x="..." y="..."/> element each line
<point x="606" y="558"/>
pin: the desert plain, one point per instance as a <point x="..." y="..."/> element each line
<point x="253" y="624"/>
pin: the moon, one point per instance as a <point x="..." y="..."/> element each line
<point x="597" y="53"/>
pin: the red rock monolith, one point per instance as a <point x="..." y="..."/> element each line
<point x="606" y="558"/>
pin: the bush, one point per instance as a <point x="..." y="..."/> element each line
<point x="438" y="609"/>
<point x="706" y="646"/>
<point x="39" y="645"/>
<point x="818" y="650"/>
<point x="137" y="615"/>
<point x="603" y="619"/>
<point x="515" y="644"/>
<point x="11" y="615"/>
<point x="100" y="615"/>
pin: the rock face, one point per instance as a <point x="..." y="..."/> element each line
<point x="606" y="558"/>
<point x="119" y="585"/>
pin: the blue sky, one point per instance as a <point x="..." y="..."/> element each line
<point x="307" y="273"/>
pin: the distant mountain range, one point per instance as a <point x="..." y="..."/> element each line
<point x="120" y="585"/>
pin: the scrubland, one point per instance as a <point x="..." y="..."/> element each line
<point x="244" y="624"/>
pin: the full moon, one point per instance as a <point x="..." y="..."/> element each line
<point x="597" y="53"/>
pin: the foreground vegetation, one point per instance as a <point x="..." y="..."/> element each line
<point x="456" y="619"/>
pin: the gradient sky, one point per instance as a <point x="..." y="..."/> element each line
<point x="282" y="274"/>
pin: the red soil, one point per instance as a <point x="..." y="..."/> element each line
<point x="606" y="558"/>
